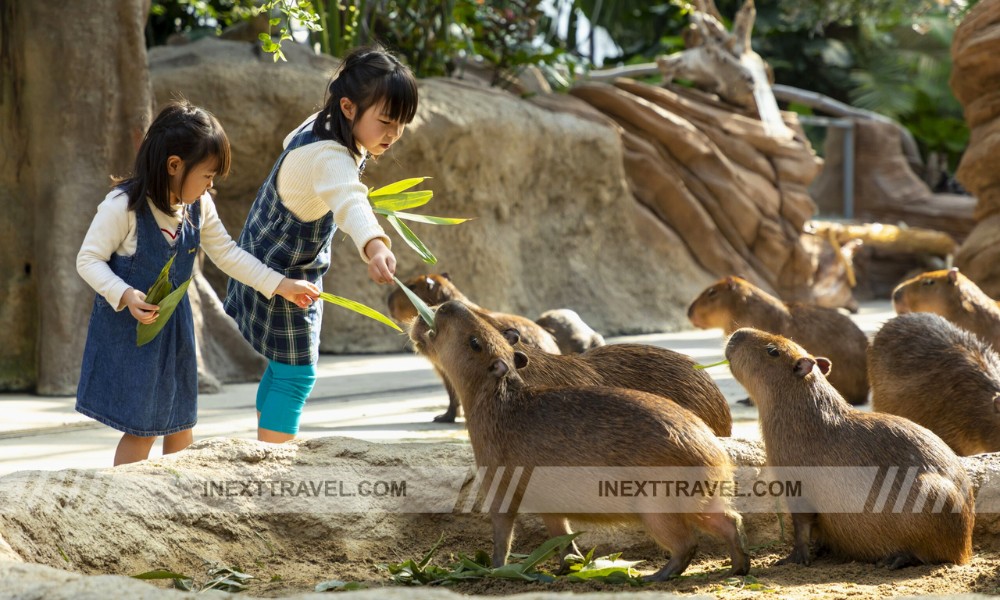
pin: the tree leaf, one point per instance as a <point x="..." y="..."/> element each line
<point x="547" y="549"/>
<point x="422" y="309"/>
<point x="161" y="287"/>
<point x="146" y="333"/>
<point x="423" y="218"/>
<point x="403" y="200"/>
<point x="360" y="308"/>
<point x="395" y="188"/>
<point x="411" y="239"/>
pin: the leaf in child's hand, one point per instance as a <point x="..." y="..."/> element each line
<point x="412" y="240"/>
<point x="396" y="187"/>
<point x="359" y="308"/>
<point x="146" y="333"/>
<point x="422" y="218"/>
<point x="402" y="200"/>
<point x="423" y="310"/>
<point x="161" y="287"/>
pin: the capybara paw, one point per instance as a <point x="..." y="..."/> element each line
<point x="740" y="568"/>
<point x="900" y="560"/>
<point x="798" y="557"/>
<point x="445" y="418"/>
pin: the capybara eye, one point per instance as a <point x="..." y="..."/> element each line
<point x="927" y="282"/>
<point x="772" y="350"/>
<point x="475" y="345"/>
<point x="711" y="292"/>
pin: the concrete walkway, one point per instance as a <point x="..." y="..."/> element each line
<point x="379" y="398"/>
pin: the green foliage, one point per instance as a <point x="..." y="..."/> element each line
<point x="359" y="308"/>
<point x="608" y="569"/>
<point x="162" y="294"/>
<point x="195" y="18"/>
<point x="222" y="578"/>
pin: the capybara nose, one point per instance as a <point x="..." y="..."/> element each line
<point x="450" y="307"/>
<point x="690" y="310"/>
<point x="897" y="295"/>
<point x="738" y="336"/>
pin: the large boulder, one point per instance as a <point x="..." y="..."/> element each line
<point x="974" y="80"/>
<point x="553" y="226"/>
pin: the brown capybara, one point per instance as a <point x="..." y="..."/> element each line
<point x="916" y="505"/>
<point x="515" y="426"/>
<point x="953" y="296"/>
<point x="640" y="367"/>
<point x="940" y="376"/>
<point x="733" y="302"/>
<point x="435" y="289"/>
<point x="572" y="334"/>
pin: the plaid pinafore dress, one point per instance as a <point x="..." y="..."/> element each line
<point x="275" y="327"/>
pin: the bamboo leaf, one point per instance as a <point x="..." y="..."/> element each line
<point x="547" y="549"/>
<point x="403" y="200"/>
<point x="159" y="574"/>
<point x="395" y="188"/>
<point x="422" y="218"/>
<point x="146" y="333"/>
<point x="161" y="287"/>
<point x="422" y="309"/>
<point x="715" y="364"/>
<point x="360" y="308"/>
<point x="412" y="240"/>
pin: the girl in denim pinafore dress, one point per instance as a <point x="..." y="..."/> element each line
<point x="152" y="390"/>
<point x="289" y="228"/>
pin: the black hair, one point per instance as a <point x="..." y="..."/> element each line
<point x="368" y="76"/>
<point x="181" y="129"/>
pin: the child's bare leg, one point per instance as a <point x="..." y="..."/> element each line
<point x="133" y="448"/>
<point x="176" y="442"/>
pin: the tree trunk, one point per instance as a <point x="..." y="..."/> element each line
<point x="73" y="106"/>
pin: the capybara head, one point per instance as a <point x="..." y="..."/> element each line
<point x="717" y="305"/>
<point x="946" y="292"/>
<point x="432" y="288"/>
<point x="762" y="362"/>
<point x="469" y="349"/>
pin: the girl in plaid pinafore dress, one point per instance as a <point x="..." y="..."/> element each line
<point x="314" y="189"/>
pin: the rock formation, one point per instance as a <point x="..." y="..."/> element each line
<point x="974" y="77"/>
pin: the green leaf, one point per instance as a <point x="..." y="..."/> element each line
<point x="159" y="574"/>
<point x="395" y="188"/>
<point x="336" y="585"/>
<point x="146" y="333"/>
<point x="548" y="549"/>
<point x="360" y="308"/>
<point x="423" y="218"/>
<point x="411" y="239"/>
<point x="715" y="364"/>
<point x="161" y="287"/>
<point x="422" y="309"/>
<point x="403" y="200"/>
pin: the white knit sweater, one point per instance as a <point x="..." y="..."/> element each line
<point x="113" y="231"/>
<point x="322" y="177"/>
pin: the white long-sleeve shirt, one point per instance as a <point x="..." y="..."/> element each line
<point x="113" y="231"/>
<point x="323" y="177"/>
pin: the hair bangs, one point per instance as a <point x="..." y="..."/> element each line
<point x="399" y="93"/>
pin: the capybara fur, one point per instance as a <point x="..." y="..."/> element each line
<point x="733" y="302"/>
<point x="572" y="334"/>
<point x="916" y="505"/>
<point x="640" y="367"/>
<point x="953" y="296"/>
<point x="435" y="289"/>
<point x="935" y="374"/>
<point x="513" y="425"/>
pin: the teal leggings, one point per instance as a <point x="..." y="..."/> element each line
<point x="281" y="395"/>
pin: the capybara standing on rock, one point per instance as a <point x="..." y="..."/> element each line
<point x="513" y="425"/>
<point x="733" y="302"/>
<point x="940" y="376"/>
<point x="436" y="289"/>
<point x="924" y="511"/>
<point x="953" y="296"/>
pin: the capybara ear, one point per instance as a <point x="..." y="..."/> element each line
<point x="824" y="364"/>
<point x="520" y="360"/>
<point x="446" y="276"/>
<point x="498" y="368"/>
<point x="953" y="275"/>
<point x="512" y="335"/>
<point x="996" y="402"/>
<point x="804" y="366"/>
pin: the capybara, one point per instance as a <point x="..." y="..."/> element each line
<point x="733" y="302"/>
<point x="953" y="296"/>
<point x="513" y="425"/>
<point x="940" y="376"/>
<point x="572" y="334"/>
<point x="640" y="367"/>
<point x="924" y="508"/>
<point x="435" y="289"/>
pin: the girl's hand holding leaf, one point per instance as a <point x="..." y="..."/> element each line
<point x="381" y="261"/>
<point x="299" y="292"/>
<point x="138" y="307"/>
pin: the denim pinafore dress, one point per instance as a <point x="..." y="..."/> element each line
<point x="276" y="328"/>
<point x="150" y="390"/>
